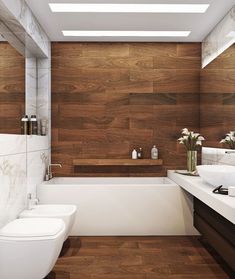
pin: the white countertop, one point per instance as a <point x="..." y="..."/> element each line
<point x="224" y="205"/>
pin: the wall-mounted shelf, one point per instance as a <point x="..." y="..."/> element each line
<point x="117" y="162"/>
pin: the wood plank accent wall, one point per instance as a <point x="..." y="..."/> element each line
<point x="12" y="89"/>
<point x="108" y="98"/>
<point x="217" y="104"/>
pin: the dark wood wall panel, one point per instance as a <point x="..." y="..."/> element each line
<point x="108" y="98"/>
<point x="12" y="89"/>
<point x="217" y="102"/>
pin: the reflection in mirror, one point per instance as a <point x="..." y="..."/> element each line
<point x="217" y="115"/>
<point x="12" y="88"/>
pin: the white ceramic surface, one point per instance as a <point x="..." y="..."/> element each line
<point x="217" y="175"/>
<point x="30" y="248"/>
<point x="65" y="212"/>
<point x="122" y="206"/>
<point x="222" y="204"/>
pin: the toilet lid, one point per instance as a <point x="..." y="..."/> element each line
<point x="32" y="227"/>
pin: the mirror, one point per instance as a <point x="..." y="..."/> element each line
<point x="12" y="88"/>
<point x="217" y="99"/>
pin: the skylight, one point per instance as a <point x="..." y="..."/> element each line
<point x="127" y="8"/>
<point x="85" y="33"/>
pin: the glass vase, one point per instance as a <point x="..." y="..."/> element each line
<point x="191" y="160"/>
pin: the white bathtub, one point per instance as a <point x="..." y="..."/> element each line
<point x="123" y="206"/>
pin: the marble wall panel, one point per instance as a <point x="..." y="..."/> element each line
<point x="13" y="186"/>
<point x="217" y="156"/>
<point x="220" y="38"/>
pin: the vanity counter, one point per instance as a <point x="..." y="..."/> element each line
<point x="224" y="205"/>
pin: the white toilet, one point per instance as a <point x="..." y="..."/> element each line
<point x="30" y="247"/>
<point x="66" y="212"/>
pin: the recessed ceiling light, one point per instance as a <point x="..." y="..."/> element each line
<point x="85" y="33"/>
<point x="127" y="8"/>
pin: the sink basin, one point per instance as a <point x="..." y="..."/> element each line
<point x="217" y="175"/>
<point x="65" y="212"/>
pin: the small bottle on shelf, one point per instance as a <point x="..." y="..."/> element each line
<point x="154" y="153"/>
<point x="140" y="153"/>
<point x="134" y="154"/>
<point x="43" y="127"/>
<point x="33" y="125"/>
<point x="25" y="125"/>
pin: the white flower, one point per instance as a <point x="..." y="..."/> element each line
<point x="195" y="135"/>
<point x="185" y="131"/>
<point x="190" y="139"/>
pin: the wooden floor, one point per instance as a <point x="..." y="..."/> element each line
<point x="138" y="258"/>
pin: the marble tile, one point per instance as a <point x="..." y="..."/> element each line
<point x="31" y="86"/>
<point x="12" y="39"/>
<point x="217" y="156"/>
<point x="36" y="169"/>
<point x="36" y="143"/>
<point x="12" y="144"/>
<point x="209" y="155"/>
<point x="220" y="38"/>
<point x="44" y="63"/>
<point x="20" y="20"/>
<point x="43" y="94"/>
<point x="13" y="187"/>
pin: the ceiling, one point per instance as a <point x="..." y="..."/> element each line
<point x="199" y="24"/>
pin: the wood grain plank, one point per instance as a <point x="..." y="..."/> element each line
<point x="104" y="62"/>
<point x="12" y="89"/>
<point x="167" y="81"/>
<point x="110" y="92"/>
<point x="217" y="81"/>
<point x="116" y="162"/>
<point x="160" y="257"/>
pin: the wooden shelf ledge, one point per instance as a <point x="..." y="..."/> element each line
<point x="117" y="162"/>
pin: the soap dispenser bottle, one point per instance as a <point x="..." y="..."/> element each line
<point x="33" y="125"/>
<point x="134" y="154"/>
<point x="25" y="125"/>
<point x="140" y="153"/>
<point x="154" y="153"/>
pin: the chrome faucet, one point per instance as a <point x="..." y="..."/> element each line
<point x="49" y="174"/>
<point x="31" y="202"/>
